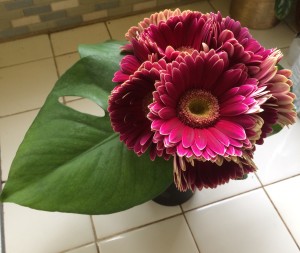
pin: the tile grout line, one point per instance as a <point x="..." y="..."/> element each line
<point x="211" y="5"/>
<point x="18" y="113"/>
<point x="219" y="200"/>
<point x="55" y="63"/>
<point x="278" y="181"/>
<point x="85" y="244"/>
<point x="2" y="237"/>
<point x="105" y="23"/>
<point x="53" y="56"/>
<point x="138" y="227"/>
<point x="289" y="26"/>
<point x="278" y="213"/>
<point x="186" y="221"/>
<point x="283" y="221"/>
<point x="74" y="248"/>
<point x="94" y="233"/>
<point x="26" y="62"/>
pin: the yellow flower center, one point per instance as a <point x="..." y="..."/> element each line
<point x="198" y="108"/>
<point x="187" y="50"/>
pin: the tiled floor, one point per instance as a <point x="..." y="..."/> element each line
<point x="258" y="215"/>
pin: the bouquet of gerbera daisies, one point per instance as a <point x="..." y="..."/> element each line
<point x="192" y="96"/>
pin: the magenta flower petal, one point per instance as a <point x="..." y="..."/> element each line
<point x="188" y="137"/>
<point x="213" y="143"/>
<point x="166" y="113"/>
<point x="176" y="134"/>
<point x="234" y="109"/>
<point x="199" y="174"/>
<point x="168" y="126"/>
<point x="231" y="129"/>
<point x="128" y="109"/>
<point x="200" y="139"/>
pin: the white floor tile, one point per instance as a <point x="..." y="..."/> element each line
<point x="222" y="6"/>
<point x="276" y="37"/>
<point x="119" y="27"/>
<point x="25" y="50"/>
<point x="91" y="248"/>
<point x="108" y="225"/>
<point x="64" y="62"/>
<point x="67" y="41"/>
<point x="31" y="231"/>
<point x="12" y="131"/>
<point x="278" y="158"/>
<point x="201" y="6"/>
<point x="247" y="223"/>
<point x="285" y="196"/>
<point x="234" y="187"/>
<point x="85" y="106"/>
<point x="171" y="236"/>
<point x="26" y="86"/>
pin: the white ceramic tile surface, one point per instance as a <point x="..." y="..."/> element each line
<point x="25" y="50"/>
<point x="276" y="37"/>
<point x="85" y="106"/>
<point x="172" y="236"/>
<point x="234" y="187"/>
<point x="118" y="27"/>
<point x="12" y="131"/>
<point x="64" y="62"/>
<point x="91" y="248"/>
<point x="31" y="231"/>
<point x="107" y="225"/>
<point x="201" y="6"/>
<point x="247" y="223"/>
<point x="67" y="41"/>
<point x="26" y="86"/>
<point x="221" y="5"/>
<point x="285" y="196"/>
<point x="278" y="158"/>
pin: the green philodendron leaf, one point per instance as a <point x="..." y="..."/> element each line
<point x="73" y="162"/>
<point x="282" y="8"/>
<point x="276" y="129"/>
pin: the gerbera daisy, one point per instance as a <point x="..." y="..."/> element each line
<point x="169" y="33"/>
<point x="208" y="113"/>
<point x="128" y="109"/>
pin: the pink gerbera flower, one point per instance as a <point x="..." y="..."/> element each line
<point x="213" y="93"/>
<point x="169" y="33"/>
<point x="192" y="174"/>
<point x="208" y="114"/>
<point x="128" y="109"/>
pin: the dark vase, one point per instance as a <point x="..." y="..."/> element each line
<point x="173" y="197"/>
